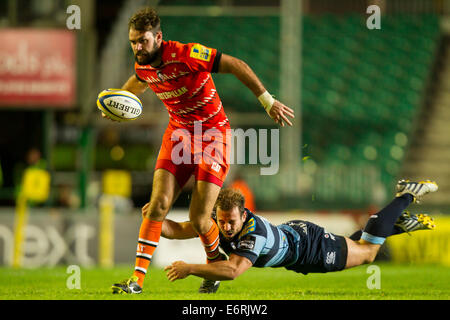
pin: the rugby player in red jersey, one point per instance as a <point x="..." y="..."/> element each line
<point x="180" y="75"/>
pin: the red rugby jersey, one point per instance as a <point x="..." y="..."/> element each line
<point x="184" y="84"/>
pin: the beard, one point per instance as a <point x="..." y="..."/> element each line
<point x="145" y="58"/>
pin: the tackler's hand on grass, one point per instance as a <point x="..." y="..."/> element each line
<point x="177" y="270"/>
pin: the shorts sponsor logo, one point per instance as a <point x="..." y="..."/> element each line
<point x="215" y="166"/>
<point x="331" y="257"/>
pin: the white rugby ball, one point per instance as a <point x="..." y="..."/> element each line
<point x="119" y="105"/>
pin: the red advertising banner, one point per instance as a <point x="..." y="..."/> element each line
<point x="37" y="68"/>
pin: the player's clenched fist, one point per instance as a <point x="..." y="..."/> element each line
<point x="177" y="270"/>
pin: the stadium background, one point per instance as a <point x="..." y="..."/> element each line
<point x="372" y="106"/>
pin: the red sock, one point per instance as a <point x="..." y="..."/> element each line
<point x="149" y="235"/>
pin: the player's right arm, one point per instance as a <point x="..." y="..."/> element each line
<point x="134" y="85"/>
<point x="241" y="70"/>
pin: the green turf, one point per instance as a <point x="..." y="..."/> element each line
<point x="397" y="282"/>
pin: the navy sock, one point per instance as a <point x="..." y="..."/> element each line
<point x="357" y="234"/>
<point x="396" y="230"/>
<point x="381" y="225"/>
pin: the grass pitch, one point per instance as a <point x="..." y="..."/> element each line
<point x="397" y="282"/>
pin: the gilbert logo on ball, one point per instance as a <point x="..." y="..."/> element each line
<point x="119" y="105"/>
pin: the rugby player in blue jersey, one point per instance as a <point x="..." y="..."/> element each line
<point x="250" y="240"/>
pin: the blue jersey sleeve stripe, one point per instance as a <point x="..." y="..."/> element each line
<point x="264" y="259"/>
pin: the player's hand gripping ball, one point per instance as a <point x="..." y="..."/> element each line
<point x="119" y="105"/>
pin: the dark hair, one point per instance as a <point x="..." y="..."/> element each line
<point x="146" y="19"/>
<point x="229" y="198"/>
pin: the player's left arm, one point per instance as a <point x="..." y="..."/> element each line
<point x="221" y="270"/>
<point x="241" y="70"/>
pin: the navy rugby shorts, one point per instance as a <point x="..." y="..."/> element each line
<point x="318" y="250"/>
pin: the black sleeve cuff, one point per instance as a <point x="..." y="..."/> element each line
<point x="215" y="67"/>
<point x="141" y="80"/>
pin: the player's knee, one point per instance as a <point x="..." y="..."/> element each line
<point x="201" y="223"/>
<point x="158" y="209"/>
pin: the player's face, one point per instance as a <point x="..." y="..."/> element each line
<point x="230" y="222"/>
<point x="145" y="45"/>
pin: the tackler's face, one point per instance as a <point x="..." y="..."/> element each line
<point x="230" y="222"/>
<point x="145" y="45"/>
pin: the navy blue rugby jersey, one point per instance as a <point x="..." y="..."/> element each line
<point x="264" y="244"/>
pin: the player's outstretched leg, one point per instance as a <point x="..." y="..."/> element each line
<point x="381" y="225"/>
<point x="390" y="220"/>
<point x="416" y="189"/>
<point x="408" y="222"/>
